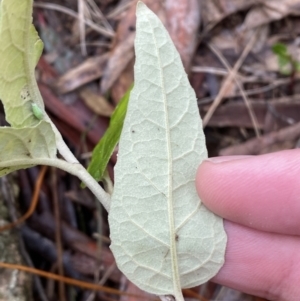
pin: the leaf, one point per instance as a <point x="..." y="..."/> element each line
<point x="30" y="137"/>
<point x="25" y="144"/>
<point x="285" y="66"/>
<point x="163" y="238"/>
<point x="280" y="49"/>
<point x="297" y="66"/>
<point x="20" y="50"/>
<point x="97" y="103"/>
<point x="104" y="149"/>
<point x="285" y="60"/>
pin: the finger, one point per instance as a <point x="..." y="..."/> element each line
<point x="261" y="192"/>
<point x="260" y="263"/>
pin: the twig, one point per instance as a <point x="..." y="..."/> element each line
<point x="104" y="278"/>
<point x="81" y="9"/>
<point x="250" y="92"/>
<point x="75" y="169"/>
<point x="60" y="269"/>
<point x="228" y="80"/>
<point x="36" y="279"/>
<point x="247" y="103"/>
<point x="212" y="70"/>
<point x="119" y="9"/>
<point x="33" y="203"/>
<point x="98" y="13"/>
<point x="9" y="197"/>
<point x="73" y="14"/>
<point x="68" y="280"/>
<point x="256" y="145"/>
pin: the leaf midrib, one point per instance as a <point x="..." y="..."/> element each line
<point x="173" y="251"/>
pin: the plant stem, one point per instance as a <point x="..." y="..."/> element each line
<point x="172" y="298"/>
<point x="75" y="169"/>
<point x="60" y="143"/>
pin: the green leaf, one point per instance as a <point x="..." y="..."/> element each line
<point x="280" y="49"/>
<point x="163" y="237"/>
<point x="25" y="145"/>
<point x="29" y="138"/>
<point x="20" y="50"/>
<point x="297" y="66"/>
<point x="283" y="61"/>
<point x="105" y="147"/>
<point x="284" y="67"/>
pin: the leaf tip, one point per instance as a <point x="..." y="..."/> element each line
<point x="140" y="6"/>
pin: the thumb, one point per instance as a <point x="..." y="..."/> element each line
<point x="255" y="191"/>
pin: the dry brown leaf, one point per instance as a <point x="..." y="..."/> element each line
<point x="278" y="140"/>
<point x="183" y="20"/>
<point x="283" y="111"/>
<point x="97" y="103"/>
<point x="89" y="70"/>
<point x="122" y="52"/>
<point x="214" y="11"/>
<point x="123" y="83"/>
<point x="73" y="119"/>
<point x="269" y="11"/>
<point x="260" y="15"/>
<point x="236" y="39"/>
<point x="225" y="39"/>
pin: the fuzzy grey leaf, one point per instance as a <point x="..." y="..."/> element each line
<point x="163" y="238"/>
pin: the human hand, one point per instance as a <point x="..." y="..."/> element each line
<point x="259" y="198"/>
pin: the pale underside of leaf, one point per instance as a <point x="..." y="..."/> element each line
<point x="20" y="49"/>
<point x="163" y="238"/>
<point x="25" y="144"/>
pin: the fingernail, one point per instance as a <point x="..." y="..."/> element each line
<point x="222" y="159"/>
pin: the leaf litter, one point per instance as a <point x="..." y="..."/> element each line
<point x="225" y="24"/>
